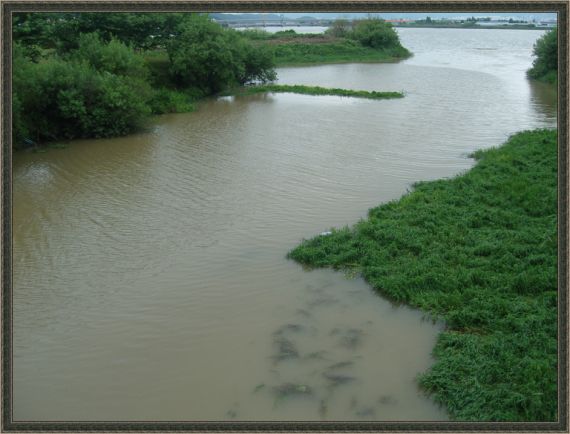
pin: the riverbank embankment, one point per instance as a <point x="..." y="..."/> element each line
<point x="478" y="251"/>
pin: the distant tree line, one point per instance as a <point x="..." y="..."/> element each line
<point x="79" y="75"/>
<point x="545" y="66"/>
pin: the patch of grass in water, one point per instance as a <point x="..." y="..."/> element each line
<point x="478" y="251"/>
<point x="315" y="90"/>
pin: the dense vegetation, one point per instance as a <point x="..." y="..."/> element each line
<point x="371" y="40"/>
<point x="478" y="251"/>
<point x="101" y="74"/>
<point x="316" y="90"/>
<point x="545" y="66"/>
<point x="96" y="75"/>
<point x="95" y="91"/>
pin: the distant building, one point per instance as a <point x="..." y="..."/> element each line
<point x="548" y="23"/>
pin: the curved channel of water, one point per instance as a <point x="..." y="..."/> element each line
<point x="150" y="279"/>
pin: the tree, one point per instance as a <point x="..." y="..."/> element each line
<point x="114" y="57"/>
<point x="545" y="66"/>
<point x="69" y="98"/>
<point x="209" y="57"/>
<point x="142" y="31"/>
<point x="339" y="29"/>
<point x="375" y="33"/>
<point x="35" y="29"/>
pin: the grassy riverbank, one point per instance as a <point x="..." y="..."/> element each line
<point x="314" y="90"/>
<point x="371" y="41"/>
<point x="342" y="51"/>
<point x="478" y="251"/>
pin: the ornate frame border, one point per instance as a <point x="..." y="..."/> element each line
<point x="9" y="6"/>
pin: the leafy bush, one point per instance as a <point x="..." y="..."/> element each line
<point x="166" y="100"/>
<point x="57" y="99"/>
<point x="207" y="56"/>
<point x="378" y="34"/>
<point x="282" y="33"/>
<point x="545" y="66"/>
<point x="375" y="33"/>
<point x="114" y="56"/>
<point x="259" y="64"/>
<point x="339" y="29"/>
<point x="256" y="34"/>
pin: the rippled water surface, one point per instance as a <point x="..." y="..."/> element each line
<point x="150" y="278"/>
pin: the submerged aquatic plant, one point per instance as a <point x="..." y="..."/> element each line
<point x="295" y="328"/>
<point x="291" y="389"/>
<point x="286" y="349"/>
<point x="337" y="379"/>
<point x="341" y="365"/>
<point x="316" y="355"/>
<point x="349" y="338"/>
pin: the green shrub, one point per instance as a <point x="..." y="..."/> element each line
<point x="258" y="65"/>
<point x="256" y="34"/>
<point x="113" y="56"/>
<point x="545" y="66"/>
<point x="166" y="100"/>
<point x="209" y="57"/>
<point x="340" y="29"/>
<point x="69" y="99"/>
<point x="375" y="33"/>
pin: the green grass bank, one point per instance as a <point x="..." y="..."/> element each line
<point x="478" y="251"/>
<point x="336" y="51"/>
<point x="314" y="90"/>
<point x="292" y="49"/>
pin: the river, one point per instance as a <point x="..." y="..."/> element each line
<point x="150" y="278"/>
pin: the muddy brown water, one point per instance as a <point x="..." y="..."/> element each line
<point x="150" y="278"/>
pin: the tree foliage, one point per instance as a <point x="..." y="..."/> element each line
<point x="114" y="56"/>
<point x="339" y="29"/>
<point x="375" y="33"/>
<point x="142" y="31"/>
<point x="545" y="66"/>
<point x="59" y="98"/>
<point x="85" y="74"/>
<point x="206" y="56"/>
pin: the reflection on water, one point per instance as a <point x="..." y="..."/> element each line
<point x="543" y="99"/>
<point x="150" y="279"/>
